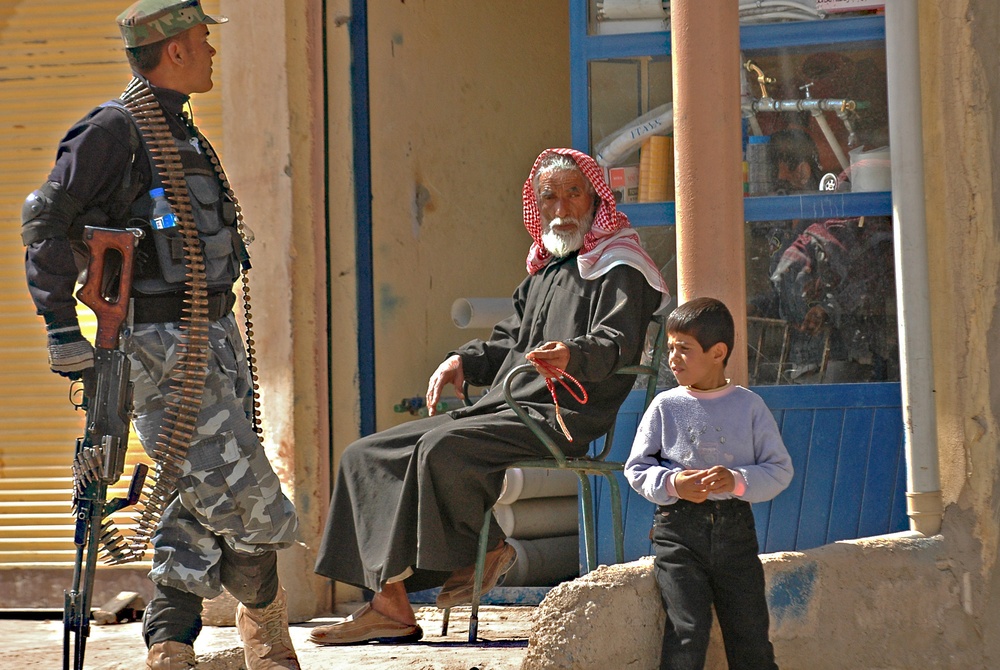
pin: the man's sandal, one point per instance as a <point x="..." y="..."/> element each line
<point x="365" y="625"/>
<point x="458" y="589"/>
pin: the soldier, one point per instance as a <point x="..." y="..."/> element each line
<point x="229" y="515"/>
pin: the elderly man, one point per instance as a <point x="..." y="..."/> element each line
<point x="409" y="501"/>
<point x="229" y="516"/>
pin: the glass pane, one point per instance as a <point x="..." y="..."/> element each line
<point x="816" y="118"/>
<point x="821" y="301"/>
<point x="631" y="126"/>
<point x="615" y="17"/>
<point x="660" y="243"/>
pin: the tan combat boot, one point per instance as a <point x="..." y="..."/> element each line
<point x="267" y="644"/>
<point x="171" y="655"/>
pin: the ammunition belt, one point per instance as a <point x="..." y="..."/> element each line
<point x="196" y="310"/>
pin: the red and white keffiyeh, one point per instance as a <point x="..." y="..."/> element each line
<point x="611" y="241"/>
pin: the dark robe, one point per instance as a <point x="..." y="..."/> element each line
<point x="413" y="496"/>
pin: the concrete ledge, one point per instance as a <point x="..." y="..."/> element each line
<point x="885" y="602"/>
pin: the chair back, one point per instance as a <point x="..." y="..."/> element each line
<point x="655" y="339"/>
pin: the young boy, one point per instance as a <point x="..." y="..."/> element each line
<point x="703" y="452"/>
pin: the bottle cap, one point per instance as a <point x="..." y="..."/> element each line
<point x="156" y="193"/>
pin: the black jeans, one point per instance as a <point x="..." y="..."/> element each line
<point x="706" y="554"/>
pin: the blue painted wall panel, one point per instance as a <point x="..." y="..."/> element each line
<point x="818" y="477"/>
<point x="850" y="476"/>
<point x="846" y="443"/>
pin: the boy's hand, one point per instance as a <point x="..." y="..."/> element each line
<point x="690" y="487"/>
<point x="718" y="479"/>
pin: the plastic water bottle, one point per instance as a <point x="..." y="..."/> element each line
<point x="162" y="216"/>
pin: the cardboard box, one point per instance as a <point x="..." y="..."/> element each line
<point x="624" y="183"/>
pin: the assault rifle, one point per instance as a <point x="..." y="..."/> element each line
<point x="100" y="454"/>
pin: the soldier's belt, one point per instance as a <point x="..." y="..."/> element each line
<point x="170" y="309"/>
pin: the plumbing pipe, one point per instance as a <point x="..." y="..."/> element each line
<point x="538" y="517"/>
<point x="812" y="105"/>
<point x="923" y="481"/>
<point x="524" y="483"/>
<point x="625" y="140"/>
<point x="771" y="10"/>
<point x="831" y="139"/>
<point x="815" y="106"/>
<point x="545" y="561"/>
<point x="480" y="312"/>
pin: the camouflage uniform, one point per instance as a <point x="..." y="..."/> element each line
<point x="227" y="485"/>
<point x="156" y="20"/>
<point x="230" y="516"/>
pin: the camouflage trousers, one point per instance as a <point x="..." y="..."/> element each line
<point x="227" y="491"/>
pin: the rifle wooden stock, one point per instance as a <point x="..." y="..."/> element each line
<point x="109" y="301"/>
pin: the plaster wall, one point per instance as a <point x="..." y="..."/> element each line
<point x="464" y="96"/>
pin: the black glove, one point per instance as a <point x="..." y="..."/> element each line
<point x="69" y="351"/>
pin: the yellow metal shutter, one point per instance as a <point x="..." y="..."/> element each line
<point x="58" y="59"/>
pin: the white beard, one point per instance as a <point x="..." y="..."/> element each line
<point x="561" y="244"/>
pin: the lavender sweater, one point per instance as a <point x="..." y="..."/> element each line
<point x="691" y="430"/>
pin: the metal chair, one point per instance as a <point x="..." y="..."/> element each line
<point x="582" y="466"/>
<point x="762" y="335"/>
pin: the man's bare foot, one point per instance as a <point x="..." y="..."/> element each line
<point x="392" y="602"/>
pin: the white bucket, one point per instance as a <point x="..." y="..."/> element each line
<point x="870" y="170"/>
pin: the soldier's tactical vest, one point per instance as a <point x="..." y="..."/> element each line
<point x="160" y="266"/>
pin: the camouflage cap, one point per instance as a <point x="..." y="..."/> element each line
<point x="149" y="21"/>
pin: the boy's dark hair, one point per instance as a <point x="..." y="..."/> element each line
<point x="707" y="320"/>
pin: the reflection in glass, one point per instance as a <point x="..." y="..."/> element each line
<point x="821" y="301"/>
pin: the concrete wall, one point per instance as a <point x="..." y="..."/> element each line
<point x="273" y="121"/>
<point x="879" y="603"/>
<point x="898" y="601"/>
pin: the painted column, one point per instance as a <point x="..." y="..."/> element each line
<point x="705" y="43"/>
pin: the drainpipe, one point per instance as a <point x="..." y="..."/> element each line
<point x="923" y="483"/>
<point x="705" y="47"/>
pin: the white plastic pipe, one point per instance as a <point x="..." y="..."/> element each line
<point x="923" y="480"/>
<point x="544" y="562"/>
<point x="538" y="517"/>
<point x="521" y="484"/>
<point x="480" y="312"/>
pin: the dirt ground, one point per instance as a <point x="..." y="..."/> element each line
<point x="503" y="638"/>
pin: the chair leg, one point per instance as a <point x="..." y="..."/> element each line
<point x="616" y="516"/>
<point x="477" y="587"/>
<point x="444" y="621"/>
<point x="589" y="536"/>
